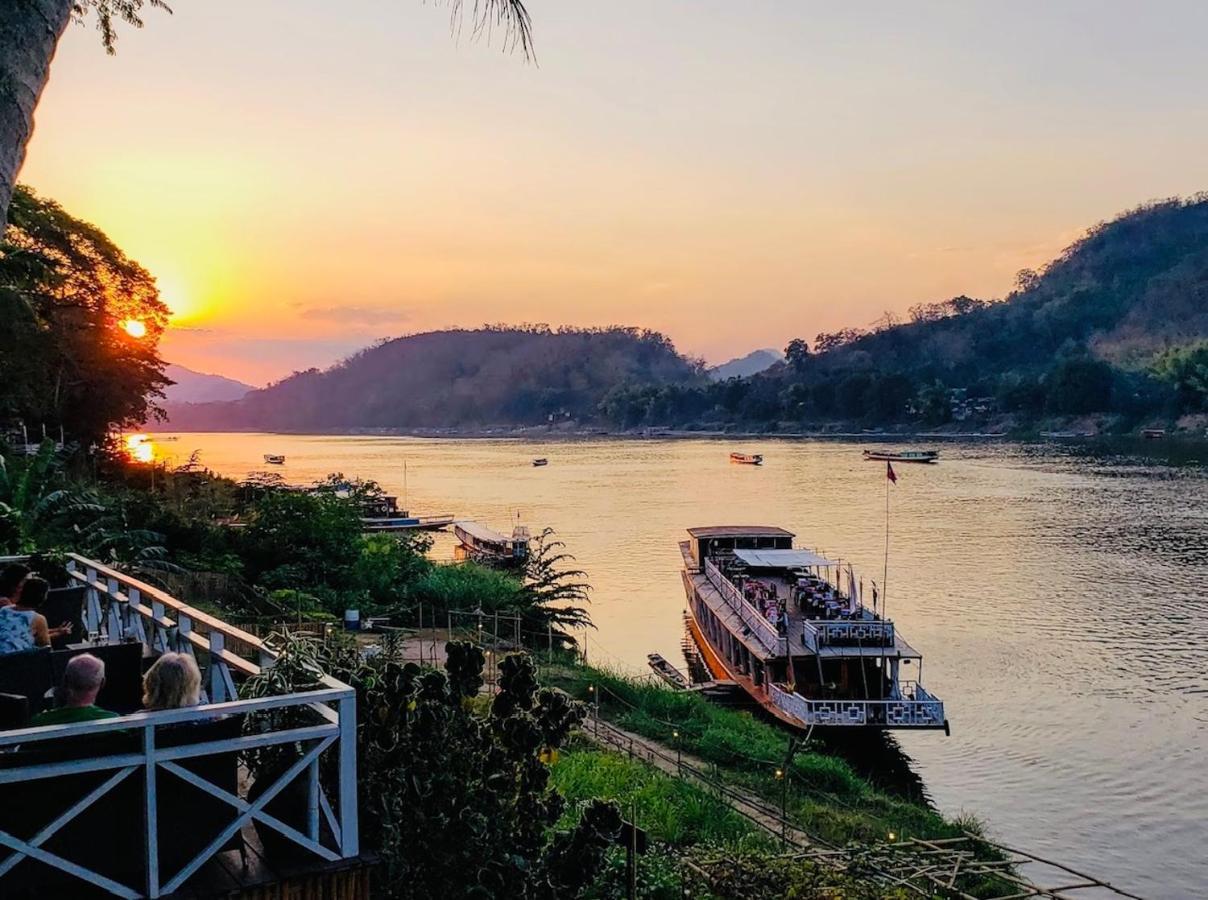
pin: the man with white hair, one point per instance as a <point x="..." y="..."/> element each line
<point x="82" y="681"/>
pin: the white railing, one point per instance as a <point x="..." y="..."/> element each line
<point x="764" y="630"/>
<point x="840" y="632"/>
<point x="915" y="709"/>
<point x="120" y="608"/>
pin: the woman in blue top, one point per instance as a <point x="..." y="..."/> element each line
<point x="22" y="627"/>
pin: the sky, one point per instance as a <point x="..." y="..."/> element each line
<point x="306" y="177"/>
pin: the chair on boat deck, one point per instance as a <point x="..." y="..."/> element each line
<point x="28" y="674"/>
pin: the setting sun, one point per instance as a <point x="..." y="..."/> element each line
<point x="139" y="448"/>
<point x="135" y="328"/>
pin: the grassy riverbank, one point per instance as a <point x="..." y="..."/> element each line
<point x="823" y="794"/>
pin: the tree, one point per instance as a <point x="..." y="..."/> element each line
<point x="30" y="31"/>
<point x="71" y="304"/>
<point x="797" y="354"/>
<point x="1077" y="386"/>
<point x="456" y="803"/>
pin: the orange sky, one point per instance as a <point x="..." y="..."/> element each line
<point x="303" y="179"/>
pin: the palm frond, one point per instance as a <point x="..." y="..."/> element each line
<point x="509" y="18"/>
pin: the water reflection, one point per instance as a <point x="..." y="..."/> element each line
<point x="1057" y="593"/>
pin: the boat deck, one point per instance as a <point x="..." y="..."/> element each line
<point x="800" y="643"/>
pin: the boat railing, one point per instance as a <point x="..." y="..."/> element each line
<point x="764" y="630"/>
<point x="847" y="632"/>
<point x="321" y="728"/>
<point x="914" y="708"/>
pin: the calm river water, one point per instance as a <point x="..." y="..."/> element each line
<point x="1059" y="596"/>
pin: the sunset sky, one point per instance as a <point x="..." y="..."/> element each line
<point x="304" y="177"/>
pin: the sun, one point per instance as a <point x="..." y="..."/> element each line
<point x="135" y="328"/>
<point x="139" y="448"/>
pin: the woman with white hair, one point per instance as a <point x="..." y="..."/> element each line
<point x="174" y="682"/>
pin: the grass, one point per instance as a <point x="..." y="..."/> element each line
<point x="672" y="811"/>
<point x="826" y="797"/>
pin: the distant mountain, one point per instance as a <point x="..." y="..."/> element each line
<point x="198" y="387"/>
<point x="753" y="363"/>
<point x="456" y="378"/>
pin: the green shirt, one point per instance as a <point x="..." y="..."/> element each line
<point x="66" y="715"/>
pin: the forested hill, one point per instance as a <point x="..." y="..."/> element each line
<point x="1128" y="290"/>
<point x="456" y="378"/>
<point x="1116" y="328"/>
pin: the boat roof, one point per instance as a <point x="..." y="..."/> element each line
<point x="481" y="532"/>
<point x="782" y="559"/>
<point x="714" y="531"/>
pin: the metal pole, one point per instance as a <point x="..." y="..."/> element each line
<point x="421" y="635"/>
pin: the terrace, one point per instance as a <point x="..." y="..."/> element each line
<point x="173" y="802"/>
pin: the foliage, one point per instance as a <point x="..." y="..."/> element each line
<point x="754" y="874"/>
<point x="671" y="810"/>
<point x="1187" y="370"/>
<point x="65" y="360"/>
<point x="458" y="378"/>
<point x="826" y="796"/>
<point x="457" y="804"/>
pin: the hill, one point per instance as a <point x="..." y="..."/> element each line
<point x="455" y="378"/>
<point x="1116" y="328"/>
<point x="199" y="387"/>
<point x="752" y="364"/>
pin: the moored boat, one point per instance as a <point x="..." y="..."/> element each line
<point x="274" y="459"/>
<point x="789" y="626"/>
<point x="489" y="546"/>
<point x="747" y="459"/>
<point x="666" y="671"/>
<point x="903" y="456"/>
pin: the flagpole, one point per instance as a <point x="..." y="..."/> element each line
<point x="889" y="477"/>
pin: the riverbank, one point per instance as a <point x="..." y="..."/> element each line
<point x="709" y="783"/>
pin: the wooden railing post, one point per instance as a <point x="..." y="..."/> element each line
<point x="350" y="842"/>
<point x="134" y="618"/>
<point x="218" y="691"/>
<point x="92" y="606"/>
<point x="150" y="819"/>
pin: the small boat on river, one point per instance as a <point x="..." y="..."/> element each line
<point x="274" y="459"/>
<point x="903" y="456"/>
<point x="540" y="461"/>
<point x="789" y="626"/>
<point x="747" y="459"/>
<point x="666" y="671"/>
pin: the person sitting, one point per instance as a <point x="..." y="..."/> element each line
<point x="22" y="627"/>
<point x="11" y="579"/>
<point x="174" y="682"/>
<point x="82" y="681"/>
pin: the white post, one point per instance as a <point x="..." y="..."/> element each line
<point x="134" y="619"/>
<point x="350" y="842"/>
<point x="92" y="618"/>
<point x="184" y="627"/>
<point x="312" y="800"/>
<point x="150" y="820"/>
<point x="217" y="683"/>
<point x="159" y="636"/>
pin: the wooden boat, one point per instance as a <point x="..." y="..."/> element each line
<point x="790" y="628"/>
<point x="488" y="546"/>
<point x="540" y="461"/>
<point x="903" y="456"/>
<point x="666" y="671"/>
<point x="747" y="459"/>
<point x="405" y="522"/>
<point x="274" y="459"/>
<point x="1153" y="434"/>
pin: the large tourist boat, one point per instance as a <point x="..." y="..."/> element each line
<point x="789" y="626"/>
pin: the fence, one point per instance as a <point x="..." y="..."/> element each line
<point x="120" y="608"/>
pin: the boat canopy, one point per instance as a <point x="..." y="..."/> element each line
<point x="782" y="559"/>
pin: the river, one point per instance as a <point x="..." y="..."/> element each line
<point x="1059" y="595"/>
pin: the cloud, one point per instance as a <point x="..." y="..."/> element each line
<point x="353" y="315"/>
